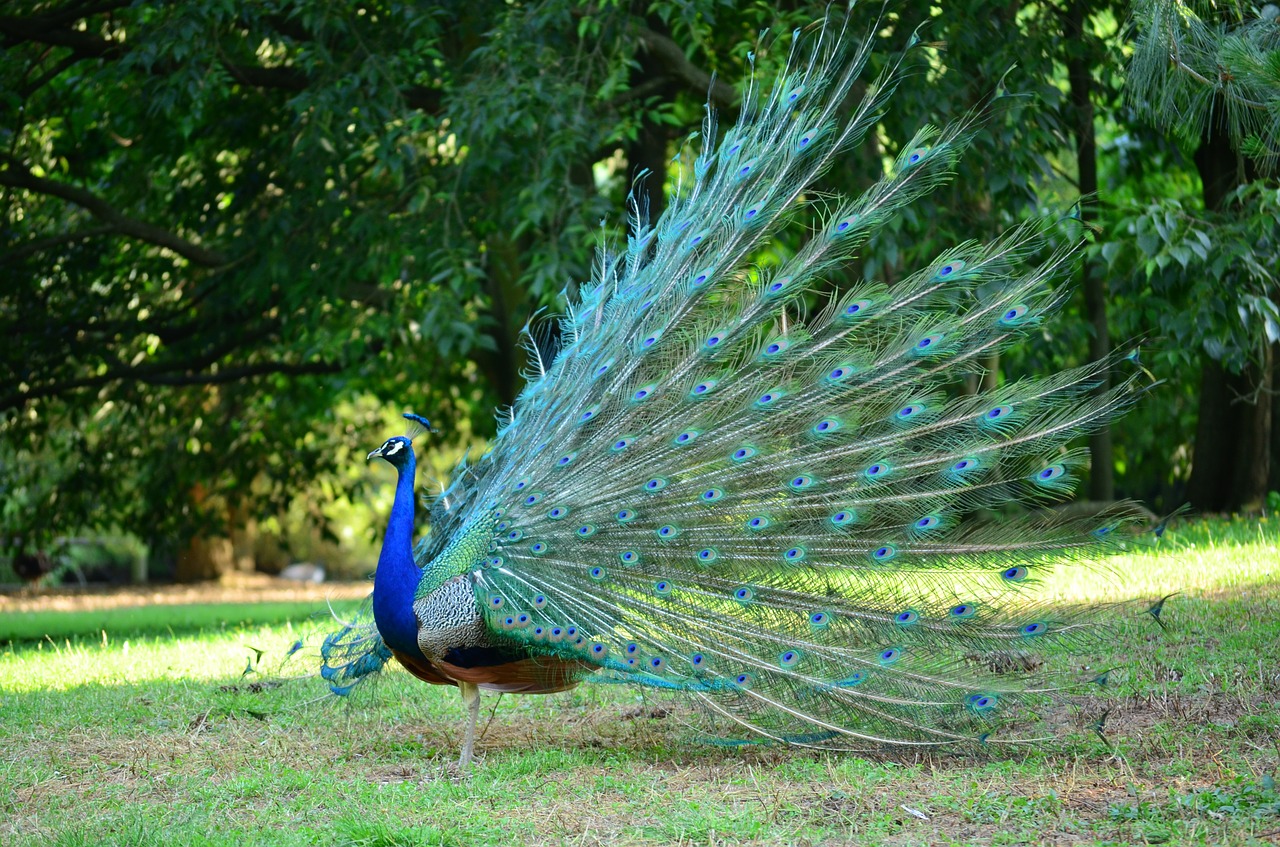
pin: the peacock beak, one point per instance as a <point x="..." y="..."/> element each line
<point x="373" y="455"/>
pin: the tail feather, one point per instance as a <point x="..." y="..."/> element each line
<point x="353" y="654"/>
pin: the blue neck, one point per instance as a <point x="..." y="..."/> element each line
<point x="397" y="577"/>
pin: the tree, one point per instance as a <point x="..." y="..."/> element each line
<point x="220" y="221"/>
<point x="1216" y="84"/>
<point x="225" y="222"/>
<point x="233" y="232"/>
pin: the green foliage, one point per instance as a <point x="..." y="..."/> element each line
<point x="1177" y="261"/>
<point x="222" y="219"/>
<point x="172" y="329"/>
<point x="1242" y="798"/>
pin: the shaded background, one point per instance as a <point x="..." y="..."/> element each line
<point x="238" y="239"/>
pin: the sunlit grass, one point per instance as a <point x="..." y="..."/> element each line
<point x="1199" y="557"/>
<point x="140" y="737"/>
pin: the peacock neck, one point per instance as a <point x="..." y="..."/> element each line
<point x="397" y="577"/>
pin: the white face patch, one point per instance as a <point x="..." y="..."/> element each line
<point x="392" y="447"/>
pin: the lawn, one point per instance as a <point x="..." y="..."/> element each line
<point x="164" y="725"/>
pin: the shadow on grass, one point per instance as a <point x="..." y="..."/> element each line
<point x="23" y="629"/>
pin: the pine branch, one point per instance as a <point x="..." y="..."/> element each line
<point x="1223" y="86"/>
<point x="1188" y="72"/>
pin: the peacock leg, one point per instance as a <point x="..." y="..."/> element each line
<point x="471" y="697"/>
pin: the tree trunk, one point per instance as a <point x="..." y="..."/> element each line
<point x="649" y="154"/>
<point x="1210" y="485"/>
<point x="1253" y="453"/>
<point x="1102" y="464"/>
<point x="1232" y="457"/>
<point x="502" y="365"/>
<point x="1233" y="438"/>
<point x="138" y="574"/>
<point x="1273" y="475"/>
<point x="208" y="556"/>
<point x="204" y="559"/>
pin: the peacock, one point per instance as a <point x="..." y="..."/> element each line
<point x="788" y="513"/>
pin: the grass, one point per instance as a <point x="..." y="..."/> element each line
<point x="126" y="734"/>
<point x="22" y="628"/>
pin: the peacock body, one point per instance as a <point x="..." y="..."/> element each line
<point x="777" y="512"/>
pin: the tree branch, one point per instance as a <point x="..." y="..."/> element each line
<point x="78" y="10"/>
<point x="720" y="93"/>
<point x="48" y="29"/>
<point x="651" y="86"/>
<point x="170" y="377"/>
<point x="23" y="249"/>
<point x="226" y="375"/>
<point x="49" y="75"/>
<point x="156" y="373"/>
<point x="56" y="24"/>
<point x="1223" y="86"/>
<point x="17" y="176"/>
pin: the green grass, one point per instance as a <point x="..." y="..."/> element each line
<point x="152" y="738"/>
<point x="135" y="621"/>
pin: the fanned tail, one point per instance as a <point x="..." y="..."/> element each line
<point x="793" y="514"/>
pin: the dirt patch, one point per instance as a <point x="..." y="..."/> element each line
<point x="235" y="588"/>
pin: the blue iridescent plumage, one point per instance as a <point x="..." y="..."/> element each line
<point x="352" y="654"/>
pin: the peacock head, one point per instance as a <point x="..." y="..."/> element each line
<point x="397" y="450"/>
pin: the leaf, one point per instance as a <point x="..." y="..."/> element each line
<point x="1110" y="251"/>
<point x="1149" y="243"/>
